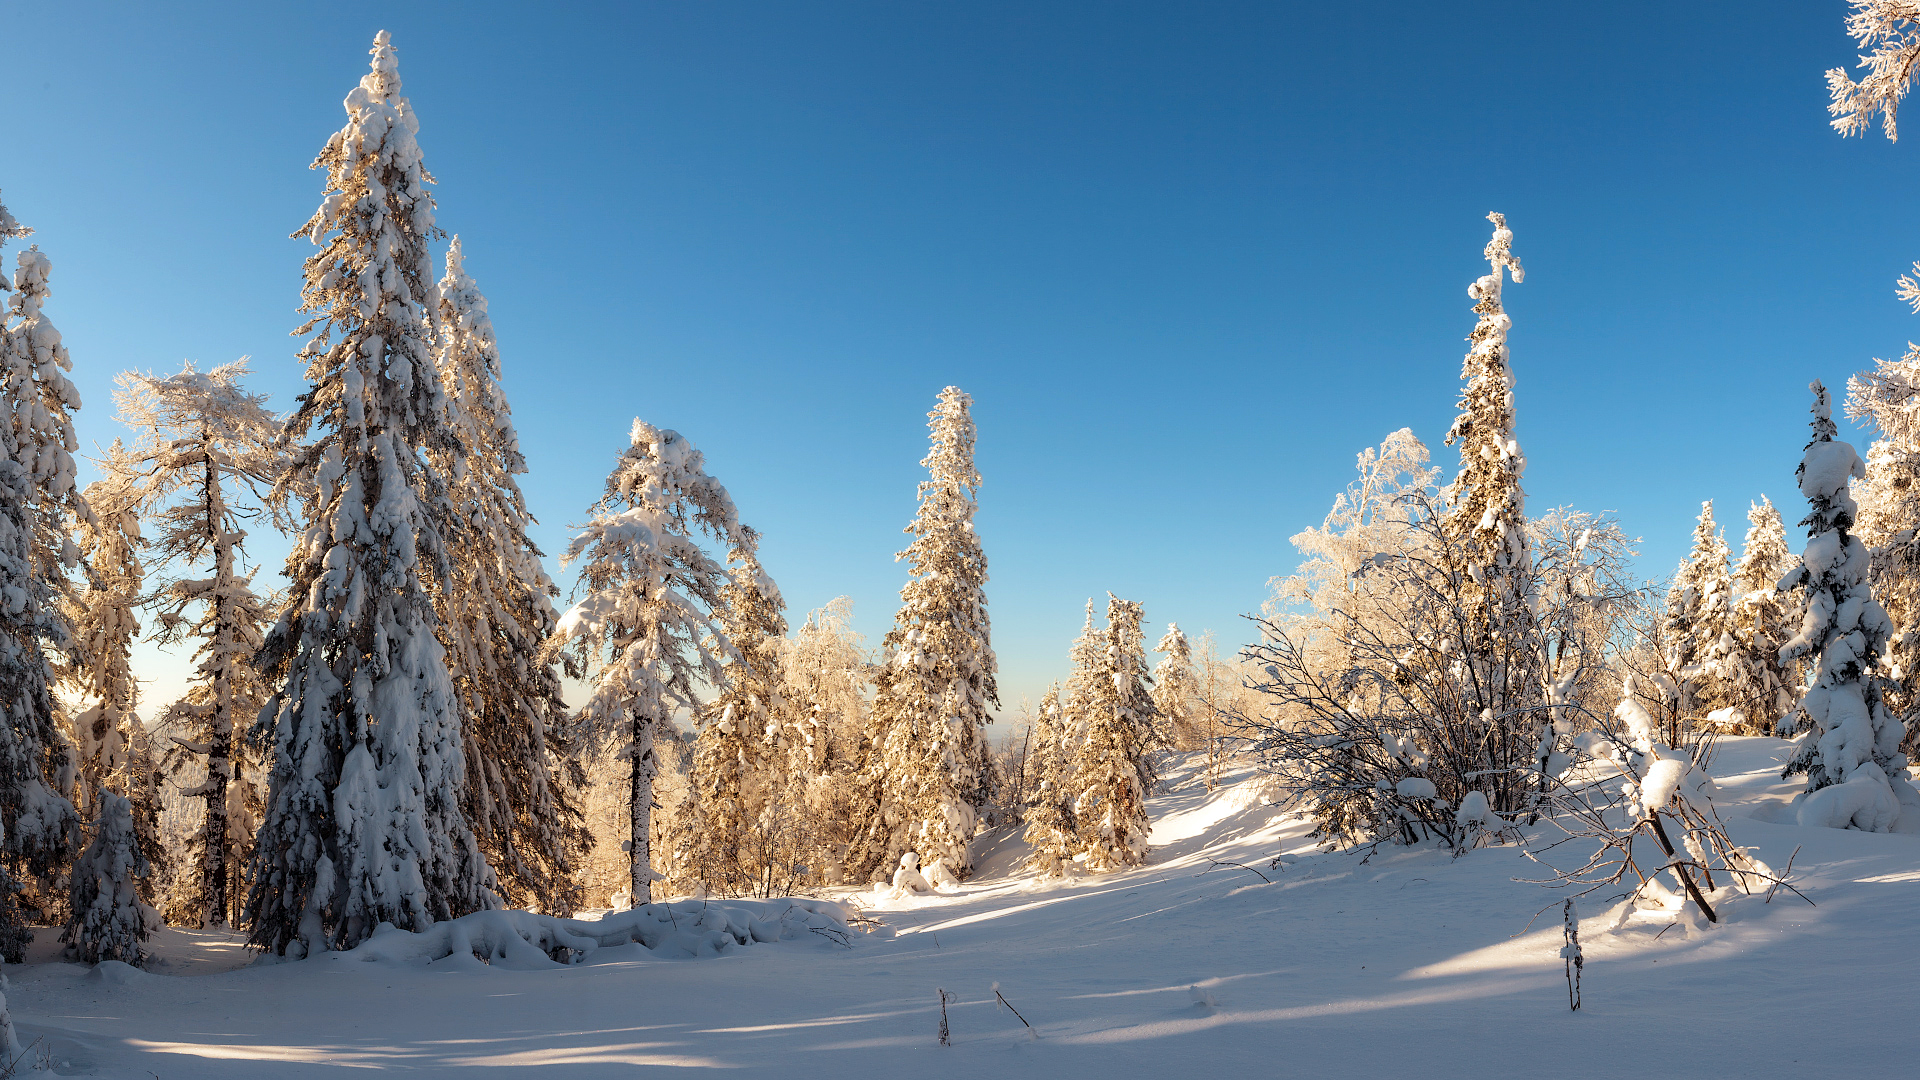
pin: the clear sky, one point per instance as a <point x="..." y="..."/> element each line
<point x="1187" y="258"/>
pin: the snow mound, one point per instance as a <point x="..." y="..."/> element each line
<point x="678" y="930"/>
<point x="115" y="973"/>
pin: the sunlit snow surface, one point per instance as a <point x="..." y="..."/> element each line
<point x="1409" y="963"/>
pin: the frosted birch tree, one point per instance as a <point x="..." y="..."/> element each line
<point x="1888" y="397"/>
<point x="645" y="622"/>
<point x="200" y="469"/>
<point x="1890" y="32"/>
<point x="1112" y="774"/>
<point x="37" y="823"/>
<point x="363" y="822"/>
<point x="1849" y="745"/>
<point x="496" y="614"/>
<point x="931" y="696"/>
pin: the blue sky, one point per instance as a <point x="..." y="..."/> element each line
<point x="1188" y="259"/>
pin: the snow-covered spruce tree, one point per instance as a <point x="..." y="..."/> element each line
<point x="1888" y="397"/>
<point x="1086" y="659"/>
<point x="364" y="822"/>
<point x="42" y="401"/>
<point x="496" y="614"/>
<point x="1890" y="32"/>
<point x="109" y="922"/>
<point x="1051" y="830"/>
<point x="1849" y="741"/>
<point x="647" y="614"/>
<point x="115" y="754"/>
<point x="1762" y="688"/>
<point x="740" y="838"/>
<point x="1485" y="555"/>
<point x="1113" y="774"/>
<point x="202" y="462"/>
<point x="1175" y="689"/>
<point x="37" y="823"/>
<point x="1699" y="623"/>
<point x="931" y="697"/>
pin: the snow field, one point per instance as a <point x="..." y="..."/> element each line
<point x="1408" y="962"/>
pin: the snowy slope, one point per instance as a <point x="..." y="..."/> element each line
<point x="1409" y="962"/>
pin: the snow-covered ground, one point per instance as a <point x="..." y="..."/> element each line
<point x="1410" y="963"/>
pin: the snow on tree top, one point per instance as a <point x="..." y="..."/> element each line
<point x="1827" y="469"/>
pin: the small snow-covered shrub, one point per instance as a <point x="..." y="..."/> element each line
<point x="1648" y="809"/>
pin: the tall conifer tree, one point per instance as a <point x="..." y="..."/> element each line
<point x="646" y="621"/>
<point x="117" y="771"/>
<point x="932" y="695"/>
<point x="1486" y="552"/>
<point x="1114" y="774"/>
<point x="1175" y="688"/>
<point x="496" y="615"/>
<point x="1888" y="397"/>
<point x="37" y="823"/>
<point x="1052" y="833"/>
<point x="364" y="821"/>
<point x="202" y="460"/>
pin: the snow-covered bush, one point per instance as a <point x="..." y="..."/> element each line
<point x="1632" y="808"/>
<point x="109" y="921"/>
<point x="679" y="930"/>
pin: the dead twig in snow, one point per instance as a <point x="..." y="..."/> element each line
<point x="1011" y="1009"/>
<point x="1216" y="864"/>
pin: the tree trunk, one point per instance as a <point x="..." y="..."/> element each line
<point x="640" y="806"/>
<point x="1660" y="832"/>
